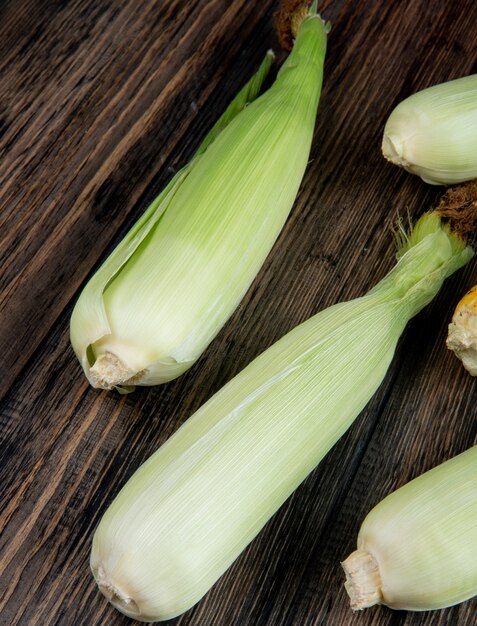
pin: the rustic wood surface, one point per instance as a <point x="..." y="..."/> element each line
<point x="101" y="101"/>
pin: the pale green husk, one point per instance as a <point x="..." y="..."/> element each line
<point x="150" y="311"/>
<point x="190" y="510"/>
<point x="417" y="549"/>
<point x="433" y="133"/>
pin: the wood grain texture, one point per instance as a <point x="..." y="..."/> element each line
<point x="101" y="102"/>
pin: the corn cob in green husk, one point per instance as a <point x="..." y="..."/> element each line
<point x="417" y="549"/>
<point x="156" y="303"/>
<point x="188" y="512"/>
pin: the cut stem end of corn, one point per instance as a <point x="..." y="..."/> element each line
<point x="109" y="372"/>
<point x="393" y="150"/>
<point x="363" y="580"/>
<point x="116" y="596"/>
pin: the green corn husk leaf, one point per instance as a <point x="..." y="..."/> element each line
<point x="189" y="511"/>
<point x="433" y="133"/>
<point x="417" y="549"/>
<point x="166" y="291"/>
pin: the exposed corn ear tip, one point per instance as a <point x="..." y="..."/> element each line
<point x="417" y="549"/>
<point x="462" y="333"/>
<point x="433" y="133"/>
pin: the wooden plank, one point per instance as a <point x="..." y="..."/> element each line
<point x="101" y="102"/>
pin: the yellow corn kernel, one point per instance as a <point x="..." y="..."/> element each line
<point x="462" y="337"/>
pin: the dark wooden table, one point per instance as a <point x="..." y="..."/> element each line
<point x="101" y="101"/>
